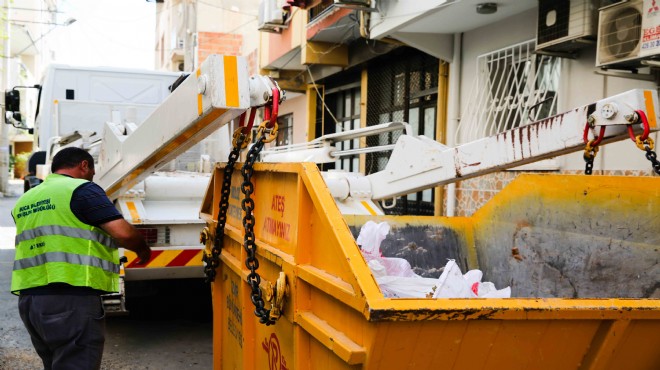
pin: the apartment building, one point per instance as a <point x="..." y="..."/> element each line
<point x="456" y="71"/>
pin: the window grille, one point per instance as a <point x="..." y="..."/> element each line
<point x="318" y="10"/>
<point x="348" y="115"/>
<point x="344" y="102"/>
<point x="403" y="87"/>
<point x="513" y="87"/>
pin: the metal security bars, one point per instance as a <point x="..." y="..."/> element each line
<point x="513" y="87"/>
<point x="403" y="87"/>
<point x="347" y="112"/>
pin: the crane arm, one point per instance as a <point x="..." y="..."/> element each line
<point x="418" y="162"/>
<point x="219" y="91"/>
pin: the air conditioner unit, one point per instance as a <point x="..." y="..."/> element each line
<point x="564" y="25"/>
<point x="271" y="16"/>
<point x="628" y="33"/>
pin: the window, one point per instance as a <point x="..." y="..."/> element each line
<point x="513" y="87"/>
<point x="319" y="9"/>
<point x="403" y="87"/>
<point x="347" y="112"/>
<point x="340" y="112"/>
<point x="284" y="130"/>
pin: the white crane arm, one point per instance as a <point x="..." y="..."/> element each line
<point x="419" y="163"/>
<point x="219" y="91"/>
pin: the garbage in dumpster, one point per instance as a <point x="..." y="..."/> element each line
<point x="371" y="235"/>
<point x="396" y="278"/>
<point x="453" y="284"/>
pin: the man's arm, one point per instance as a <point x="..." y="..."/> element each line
<point x="128" y="237"/>
<point x="90" y="204"/>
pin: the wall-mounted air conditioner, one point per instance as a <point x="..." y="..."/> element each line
<point x="628" y="33"/>
<point x="564" y="25"/>
<point x="271" y="16"/>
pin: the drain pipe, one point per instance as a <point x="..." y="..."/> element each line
<point x="453" y="112"/>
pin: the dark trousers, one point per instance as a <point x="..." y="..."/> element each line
<point x="67" y="331"/>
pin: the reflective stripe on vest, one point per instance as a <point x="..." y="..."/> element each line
<point x="54" y="246"/>
<point x="76" y="259"/>
<point x="73" y="232"/>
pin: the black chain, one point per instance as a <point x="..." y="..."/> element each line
<point x="651" y="156"/>
<point x="251" y="262"/>
<point x="213" y="261"/>
<point x="589" y="166"/>
<point x="589" y="155"/>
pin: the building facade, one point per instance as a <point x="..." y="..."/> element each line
<point x="456" y="71"/>
<point x="26" y="28"/>
<point x="188" y="31"/>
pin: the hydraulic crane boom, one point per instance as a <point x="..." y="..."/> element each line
<point x="418" y="162"/>
<point x="219" y="91"/>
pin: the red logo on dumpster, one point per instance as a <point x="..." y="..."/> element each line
<point x="275" y="359"/>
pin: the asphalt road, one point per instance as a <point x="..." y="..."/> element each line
<point x="171" y="330"/>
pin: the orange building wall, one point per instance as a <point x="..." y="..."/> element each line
<point x="327" y="21"/>
<point x="225" y="44"/>
<point x="279" y="44"/>
<point x="218" y="43"/>
<point x="252" y="63"/>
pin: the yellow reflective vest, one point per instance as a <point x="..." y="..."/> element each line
<point x="54" y="246"/>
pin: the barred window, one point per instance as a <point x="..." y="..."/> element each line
<point x="513" y="87"/>
<point x="403" y="87"/>
<point x="348" y="117"/>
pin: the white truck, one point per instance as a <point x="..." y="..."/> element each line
<point x="76" y="105"/>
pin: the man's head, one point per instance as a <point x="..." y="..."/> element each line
<point x="74" y="162"/>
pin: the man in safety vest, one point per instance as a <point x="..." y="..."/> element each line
<point x="67" y="235"/>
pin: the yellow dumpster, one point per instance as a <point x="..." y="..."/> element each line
<point x="579" y="252"/>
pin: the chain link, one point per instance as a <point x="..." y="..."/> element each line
<point x="213" y="261"/>
<point x="651" y="156"/>
<point x="589" y="155"/>
<point x="589" y="165"/>
<point x="251" y="262"/>
<point x="648" y="145"/>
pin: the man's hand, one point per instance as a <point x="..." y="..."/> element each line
<point x="128" y="236"/>
<point x="144" y="255"/>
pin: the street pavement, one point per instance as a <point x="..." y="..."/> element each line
<point x="15" y="346"/>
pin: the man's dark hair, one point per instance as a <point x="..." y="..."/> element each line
<point x="70" y="157"/>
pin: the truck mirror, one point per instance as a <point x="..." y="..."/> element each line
<point x="12" y="101"/>
<point x="12" y="105"/>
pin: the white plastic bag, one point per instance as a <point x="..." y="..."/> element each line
<point x="371" y="235"/>
<point x="453" y="284"/>
<point x="370" y="238"/>
<point x="406" y="287"/>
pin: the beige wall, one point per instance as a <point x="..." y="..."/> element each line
<point x="296" y="104"/>
<point x="579" y="85"/>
